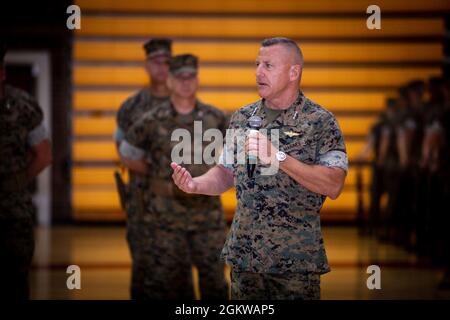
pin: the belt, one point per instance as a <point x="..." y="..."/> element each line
<point x="166" y="188"/>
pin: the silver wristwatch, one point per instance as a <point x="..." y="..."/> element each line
<point x="281" y="156"/>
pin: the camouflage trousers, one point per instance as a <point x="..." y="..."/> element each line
<point x="136" y="240"/>
<point x="16" y="252"/>
<point x="266" y="286"/>
<point x="163" y="259"/>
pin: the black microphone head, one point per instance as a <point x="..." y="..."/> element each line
<point x="255" y="122"/>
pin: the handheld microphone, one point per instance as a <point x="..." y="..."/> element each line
<point x="254" y="123"/>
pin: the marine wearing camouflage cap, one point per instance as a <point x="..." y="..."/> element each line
<point x="158" y="51"/>
<point x="158" y="47"/>
<point x="24" y="145"/>
<point x="183" y="63"/>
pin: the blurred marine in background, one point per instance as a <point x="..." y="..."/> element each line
<point x="181" y="230"/>
<point x="412" y="161"/>
<point x="158" y="53"/>
<point x="24" y="152"/>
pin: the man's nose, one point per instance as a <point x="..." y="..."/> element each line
<point x="259" y="72"/>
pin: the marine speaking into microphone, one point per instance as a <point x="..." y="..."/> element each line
<point x="272" y="252"/>
<point x="254" y="123"/>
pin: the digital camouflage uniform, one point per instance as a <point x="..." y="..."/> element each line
<point x="377" y="185"/>
<point x="432" y="222"/>
<point x="129" y="112"/>
<point x="20" y="128"/>
<point x="186" y="229"/>
<point x="413" y="180"/>
<point x="391" y="174"/>
<point x="275" y="246"/>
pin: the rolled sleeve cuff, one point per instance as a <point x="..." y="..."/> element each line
<point x="119" y="135"/>
<point x="131" y="152"/>
<point x="37" y="135"/>
<point x="334" y="158"/>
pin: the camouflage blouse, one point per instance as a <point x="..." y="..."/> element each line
<point x="276" y="227"/>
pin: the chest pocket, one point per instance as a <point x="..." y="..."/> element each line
<point x="299" y="143"/>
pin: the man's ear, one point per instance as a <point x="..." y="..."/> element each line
<point x="147" y="66"/>
<point x="295" y="72"/>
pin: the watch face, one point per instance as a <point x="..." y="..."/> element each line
<point x="281" y="156"/>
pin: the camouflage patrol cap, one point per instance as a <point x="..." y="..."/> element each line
<point x="158" y="47"/>
<point x="183" y="63"/>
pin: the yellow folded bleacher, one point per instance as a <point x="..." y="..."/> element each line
<point x="231" y="100"/>
<point x="244" y="76"/>
<point x="245" y="51"/>
<point x="349" y="69"/>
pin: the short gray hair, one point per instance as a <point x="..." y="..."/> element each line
<point x="291" y="44"/>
